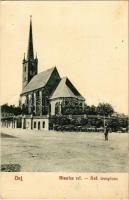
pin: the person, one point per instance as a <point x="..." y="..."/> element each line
<point x="106" y="132"/>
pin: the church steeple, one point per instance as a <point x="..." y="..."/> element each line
<point x="30" y="53"/>
<point x="29" y="63"/>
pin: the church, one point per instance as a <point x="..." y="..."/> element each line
<point x="44" y="94"/>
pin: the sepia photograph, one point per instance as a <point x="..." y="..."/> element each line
<point x="64" y="86"/>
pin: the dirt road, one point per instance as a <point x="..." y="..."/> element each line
<point x="47" y="151"/>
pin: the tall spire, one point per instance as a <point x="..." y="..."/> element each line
<point x="30" y="64"/>
<point x="30" y="53"/>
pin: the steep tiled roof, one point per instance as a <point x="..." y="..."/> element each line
<point x="66" y="89"/>
<point x="38" y="81"/>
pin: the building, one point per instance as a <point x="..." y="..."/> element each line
<point x="44" y="94"/>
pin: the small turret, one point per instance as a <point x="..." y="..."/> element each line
<point x="24" y="59"/>
<point x="36" y="59"/>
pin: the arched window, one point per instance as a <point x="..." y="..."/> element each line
<point x="34" y="124"/>
<point x="81" y="104"/>
<point x="66" y="102"/>
<point x="57" y="108"/>
<point x="49" y="108"/>
<point x="76" y="103"/>
<point x="38" y="103"/>
<point x="38" y="125"/>
<point x="43" y="125"/>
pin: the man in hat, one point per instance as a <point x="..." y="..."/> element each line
<point x="106" y="132"/>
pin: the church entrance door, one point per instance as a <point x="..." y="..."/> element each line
<point x="38" y="125"/>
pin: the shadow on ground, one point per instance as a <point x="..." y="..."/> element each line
<point x="3" y="135"/>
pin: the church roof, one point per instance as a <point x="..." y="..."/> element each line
<point x="66" y="89"/>
<point x="39" y="80"/>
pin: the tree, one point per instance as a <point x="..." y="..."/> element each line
<point x="113" y="123"/>
<point x="10" y="110"/>
<point x="123" y="122"/>
<point x="5" y="108"/>
<point x="24" y="109"/>
<point x="105" y="109"/>
<point x="93" y="110"/>
<point x="17" y="110"/>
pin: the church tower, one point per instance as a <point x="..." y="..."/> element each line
<point x="29" y="63"/>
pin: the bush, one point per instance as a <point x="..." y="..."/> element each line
<point x="90" y="124"/>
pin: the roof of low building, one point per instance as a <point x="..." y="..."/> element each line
<point x="66" y="89"/>
<point x="38" y="81"/>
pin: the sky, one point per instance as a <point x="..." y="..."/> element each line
<point x="87" y="41"/>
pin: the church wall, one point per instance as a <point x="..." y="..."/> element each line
<point x="40" y="103"/>
<point x="59" y="101"/>
<point x="53" y="105"/>
<point x="31" y="102"/>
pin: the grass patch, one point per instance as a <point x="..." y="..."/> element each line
<point x="10" y="168"/>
